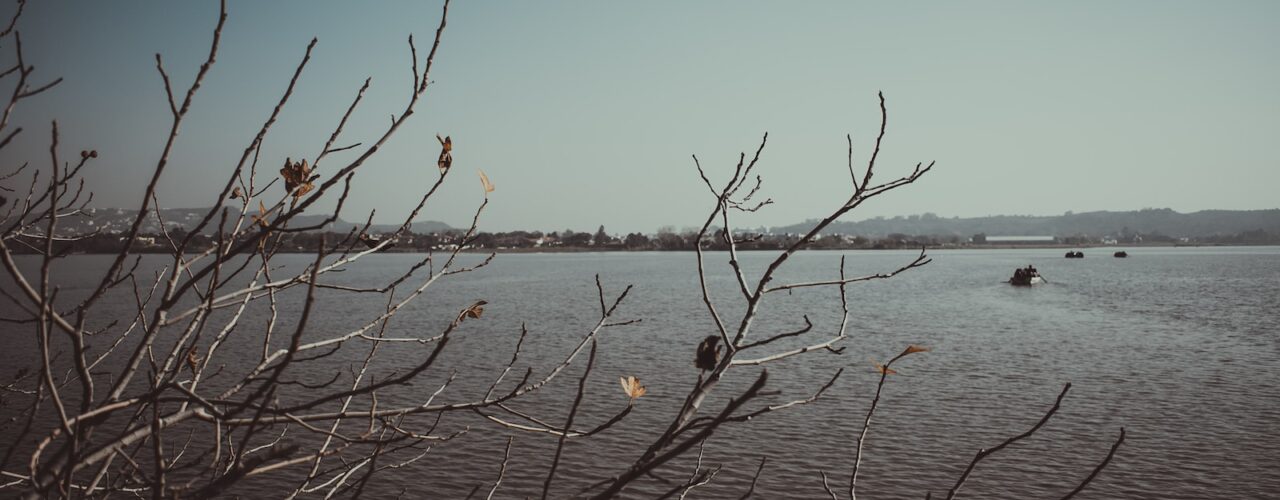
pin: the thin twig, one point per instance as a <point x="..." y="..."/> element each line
<point x="1098" y="469"/>
<point x="983" y="453"/>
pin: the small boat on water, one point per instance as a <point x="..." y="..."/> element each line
<point x="1026" y="276"/>
<point x="1122" y="254"/>
<point x="1026" y="281"/>
<point x="1075" y="255"/>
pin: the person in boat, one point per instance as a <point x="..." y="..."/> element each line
<point x="1019" y="275"/>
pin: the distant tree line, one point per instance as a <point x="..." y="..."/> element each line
<point x="567" y="240"/>
<point x="665" y="239"/>
<point x="1206" y="225"/>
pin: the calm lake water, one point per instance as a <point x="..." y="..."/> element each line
<point x="1180" y="346"/>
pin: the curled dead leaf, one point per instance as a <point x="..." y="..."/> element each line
<point x="484" y="181"/>
<point x="708" y="355"/>
<point x="632" y="388"/>
<point x="297" y="177"/>
<point x="474" y="311"/>
<point x="236" y="193"/>
<point x="446" y="153"/>
<point x="883" y="370"/>
<point x="193" y="360"/>
<point x="911" y="349"/>
<point x="261" y="218"/>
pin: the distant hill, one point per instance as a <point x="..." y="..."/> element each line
<point x="1162" y="221"/>
<point x="1166" y="222"/>
<point x="119" y="220"/>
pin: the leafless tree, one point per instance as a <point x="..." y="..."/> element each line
<point x="153" y="402"/>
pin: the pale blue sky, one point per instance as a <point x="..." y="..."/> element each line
<point x="586" y="113"/>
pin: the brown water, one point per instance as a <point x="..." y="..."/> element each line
<point x="1177" y="345"/>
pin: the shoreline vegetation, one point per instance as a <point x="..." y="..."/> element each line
<point x="568" y="242"/>
<point x="104" y="231"/>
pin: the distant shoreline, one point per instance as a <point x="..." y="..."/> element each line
<point x="642" y="250"/>
<point x="929" y="247"/>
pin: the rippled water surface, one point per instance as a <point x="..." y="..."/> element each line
<point x="1179" y="346"/>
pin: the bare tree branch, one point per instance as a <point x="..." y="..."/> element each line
<point x="983" y="453"/>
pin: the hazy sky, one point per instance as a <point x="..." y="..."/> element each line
<point x="586" y="113"/>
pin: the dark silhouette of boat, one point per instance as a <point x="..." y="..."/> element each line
<point x="1075" y="255"/>
<point x="1122" y="254"/>
<point x="1027" y="276"/>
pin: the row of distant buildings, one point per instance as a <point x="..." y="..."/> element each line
<point x="981" y="239"/>
<point x="534" y="240"/>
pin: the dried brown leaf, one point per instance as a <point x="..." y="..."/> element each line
<point x="911" y="349"/>
<point x="193" y="360"/>
<point x="632" y="388"/>
<point x="297" y="177"/>
<point x="708" y="355"/>
<point x="261" y="218"/>
<point x="446" y="154"/>
<point x="484" y="181"/>
<point x="474" y="311"/>
<point x="883" y="370"/>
